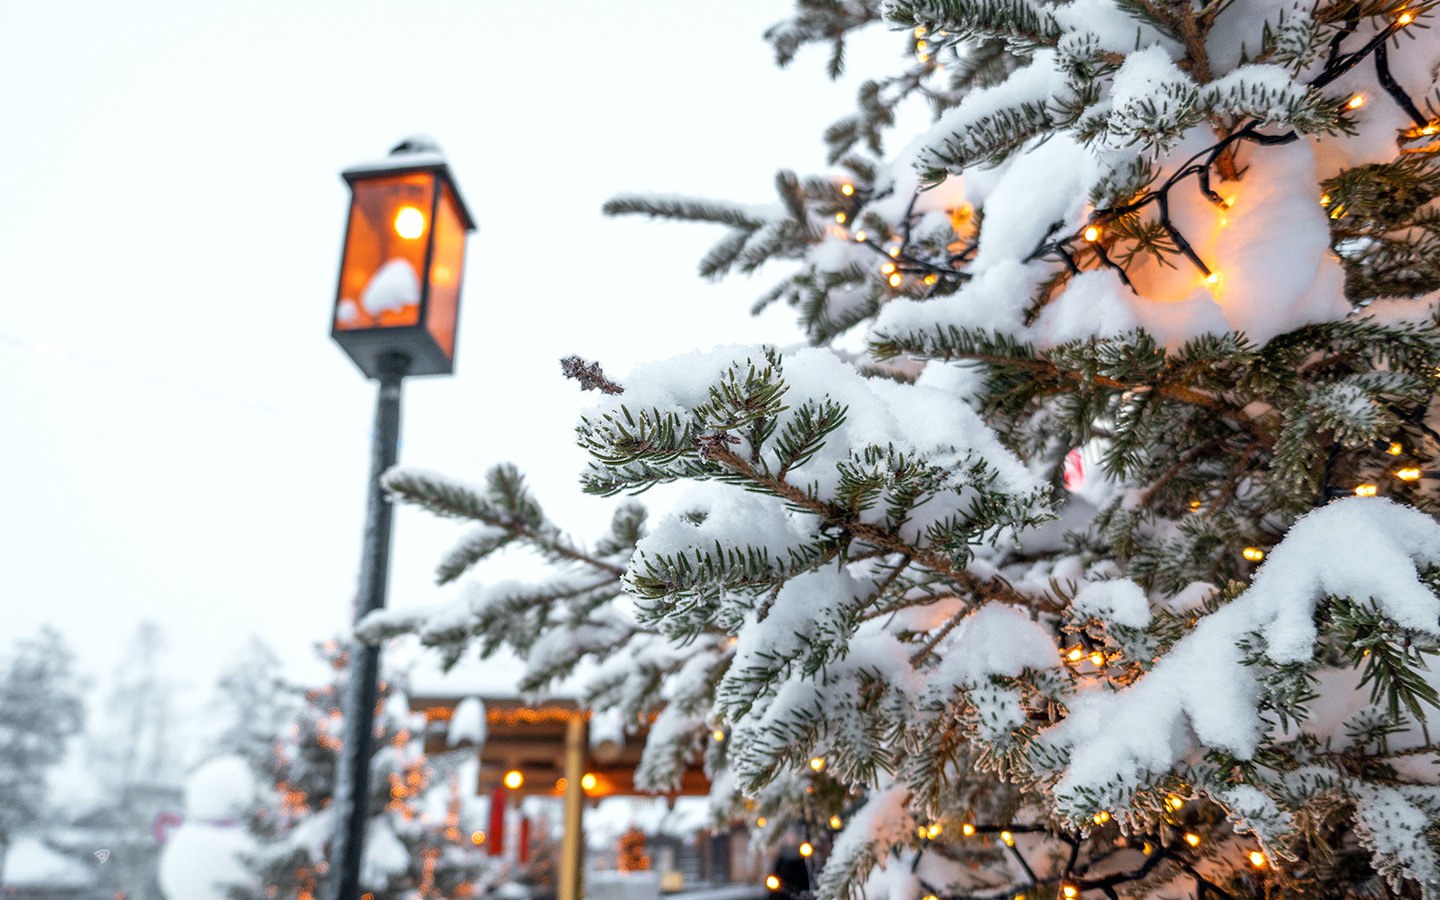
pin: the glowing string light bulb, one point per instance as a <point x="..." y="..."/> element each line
<point x="1366" y="490"/>
<point x="760" y="822"/>
<point x="1395" y="449"/>
<point x="1069" y="890"/>
<point x="1075" y="654"/>
<point x="1092" y="233"/>
<point x="847" y="189"/>
<point x="860" y="236"/>
<point x="514" y="779"/>
<point x="1409" y="473"/>
<point x="895" y="280"/>
<point x="817" y="764"/>
<point x="840" y="217"/>
<point x="932" y="278"/>
<point x="836" y="823"/>
<point x="1355" y="102"/>
<point x="807" y="849"/>
<point x="1405" y="18"/>
<point x="1097" y="659"/>
<point x="1253" y="554"/>
<point x="967" y="829"/>
<point x="1192" y="838"/>
<point x="1257" y="859"/>
<point x="1007" y="838"/>
<point x="718" y="734"/>
<point x="1101" y="817"/>
<point x="772" y="882"/>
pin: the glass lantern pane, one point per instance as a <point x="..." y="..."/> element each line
<point x="380" y="284"/>
<point x="446" y="267"/>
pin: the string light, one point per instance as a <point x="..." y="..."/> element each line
<point x="894" y="251"/>
<point x="1192" y="838"/>
<point x="817" y="763"/>
<point x="1405" y="18"/>
<point x="934" y="831"/>
<point x="1007" y="838"/>
<point x="921" y="46"/>
<point x="1257" y="859"/>
<point x="1075" y="654"/>
<point x="1395" y="449"/>
<point x="847" y="189"/>
<point x="1409" y="473"/>
<point x="1069" y="890"/>
<point x="1355" y="102"/>
<point x="477" y="837"/>
<point x="807" y="849"/>
<point x="888" y="268"/>
<point x="1253" y="554"/>
<point x="588" y="781"/>
<point x="895" y="280"/>
<point x="860" y="236"/>
<point x="1092" y="233"/>
<point x="718" y="735"/>
<point x="772" y="882"/>
<point x="1212" y="278"/>
<point x="932" y="278"/>
<point x="1174" y="802"/>
<point x="967" y="829"/>
<point x="514" y="779"/>
<point x="1101" y="817"/>
<point x="1366" y="490"/>
<point x="760" y="822"/>
<point x="836" y="823"/>
<point x="840" y="217"/>
<point x="1097" y="658"/>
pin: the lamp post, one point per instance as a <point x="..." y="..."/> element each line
<point x="395" y="315"/>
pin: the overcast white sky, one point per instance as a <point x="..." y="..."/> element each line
<point x="179" y="437"/>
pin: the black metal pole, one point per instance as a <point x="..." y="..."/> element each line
<point x="352" y="787"/>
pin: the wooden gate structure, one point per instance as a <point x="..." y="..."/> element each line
<point x="550" y="748"/>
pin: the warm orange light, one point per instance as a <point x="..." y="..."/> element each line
<point x="893" y="251"/>
<point x="1395" y="449"/>
<point x="888" y="268"/>
<point x="718" y="734"/>
<point x="860" y="236"/>
<point x="587" y="781"/>
<point x="1366" y="490"/>
<point x="807" y="849"/>
<point x="760" y="822"/>
<point x="514" y="779"/>
<point x="934" y="831"/>
<point x="840" y="217"/>
<point x="772" y="882"/>
<point x="1253" y="554"/>
<point x="1097" y="658"/>
<point x="818" y="764"/>
<point x="1070" y="890"/>
<point x="1075" y="654"/>
<point x="847" y="189"/>
<point x="1174" y="802"/>
<point x="1101" y="817"/>
<point x="920" y="31"/>
<point x="1405" y="18"/>
<point x="895" y="280"/>
<point x="1257" y="859"/>
<point x="1007" y="838"/>
<point x="1356" y="101"/>
<point x="932" y="278"/>
<point x="835" y="823"/>
<point x="1092" y="233"/>
<point x="1324" y="199"/>
<point x="409" y="223"/>
<point x="477" y="837"/>
<point x="1192" y="838"/>
<point x="1212" y="278"/>
<point x="967" y="829"/>
<point x="1409" y="473"/>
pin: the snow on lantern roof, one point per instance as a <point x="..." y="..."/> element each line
<point x="495" y="678"/>
<point x="417" y="153"/>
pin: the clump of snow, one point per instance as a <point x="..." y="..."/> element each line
<point x="467" y="724"/>
<point x="1121" y="602"/>
<point x="28" y="863"/>
<point x="395" y="285"/>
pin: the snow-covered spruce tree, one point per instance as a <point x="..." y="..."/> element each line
<point x="416" y="845"/>
<point x="40" y="710"/>
<point x="1183" y="253"/>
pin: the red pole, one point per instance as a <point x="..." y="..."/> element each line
<point x="496" y="839"/>
<point x="524" y="839"/>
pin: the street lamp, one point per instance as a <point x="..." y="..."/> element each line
<point x="395" y="314"/>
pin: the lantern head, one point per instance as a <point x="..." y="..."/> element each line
<point x="404" y="255"/>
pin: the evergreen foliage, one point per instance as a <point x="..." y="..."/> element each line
<point x="418" y="840"/>
<point x="1110" y="567"/>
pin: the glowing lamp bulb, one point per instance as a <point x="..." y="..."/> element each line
<point x="1070" y="890"/>
<point x="1101" y="817"/>
<point x="1212" y="278"/>
<point x="718" y="735"/>
<point x="1007" y="838"/>
<point x="817" y="764"/>
<point x="514" y="779"/>
<point x="1174" y="802"/>
<point x="840" y="217"/>
<point x="1405" y="18"/>
<point x="932" y="278"/>
<point x="895" y="280"/>
<point x="967" y="829"/>
<point x="860" y="236"/>
<point x="1409" y="473"/>
<point x="1355" y="102"/>
<point x="934" y="831"/>
<point x="1257" y="859"/>
<point x="1366" y="490"/>
<point x="888" y="268"/>
<point x="920" y="31"/>
<point x="477" y="837"/>
<point x="847" y="189"/>
<point x="1192" y="838"/>
<point x="587" y="781"/>
<point x="409" y="223"/>
<point x="1395" y="449"/>
<point x="1075" y="654"/>
<point x="1253" y="554"/>
<point x="1092" y="233"/>
<point x="760" y="822"/>
<point x="772" y="882"/>
<point x="807" y="849"/>
<point x="1097" y="659"/>
<point x="893" y="251"/>
<point x="836" y="823"/>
